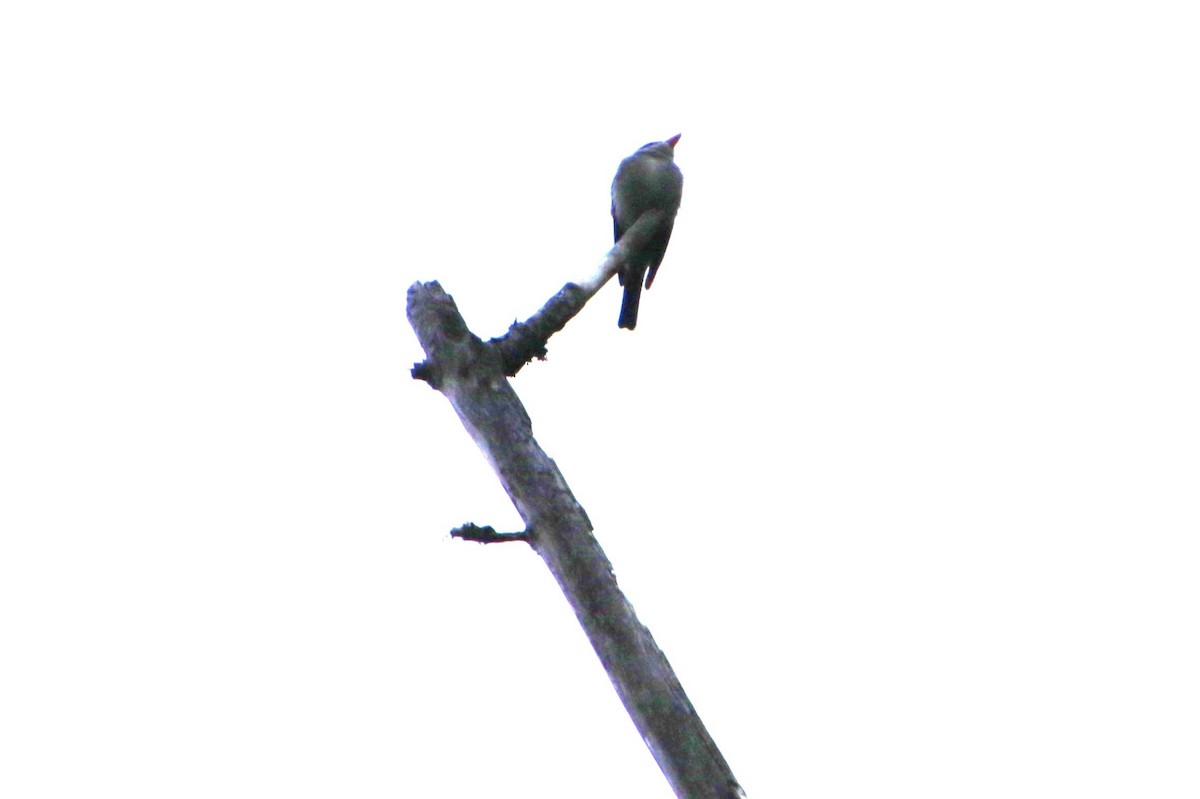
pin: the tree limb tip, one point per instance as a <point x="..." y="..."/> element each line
<point x="487" y="535"/>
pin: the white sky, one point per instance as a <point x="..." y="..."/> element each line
<point x="900" y="466"/>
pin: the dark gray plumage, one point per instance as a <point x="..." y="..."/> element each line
<point x="645" y="180"/>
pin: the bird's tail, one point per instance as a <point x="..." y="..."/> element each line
<point x="629" y="303"/>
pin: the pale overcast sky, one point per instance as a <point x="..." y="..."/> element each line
<point x="900" y="466"/>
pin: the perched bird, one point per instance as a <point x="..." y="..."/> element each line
<point x="646" y="180"/>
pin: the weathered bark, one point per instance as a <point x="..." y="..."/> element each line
<point x="472" y="375"/>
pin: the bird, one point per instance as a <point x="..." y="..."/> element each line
<point x="646" y="180"/>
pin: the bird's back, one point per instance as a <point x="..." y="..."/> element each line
<point x="643" y="183"/>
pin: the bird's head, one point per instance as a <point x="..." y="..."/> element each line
<point x="661" y="149"/>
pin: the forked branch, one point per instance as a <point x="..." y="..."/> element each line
<point x="472" y="375"/>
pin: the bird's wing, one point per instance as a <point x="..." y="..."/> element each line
<point x="658" y="247"/>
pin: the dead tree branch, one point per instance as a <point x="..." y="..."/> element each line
<point x="472" y="375"/>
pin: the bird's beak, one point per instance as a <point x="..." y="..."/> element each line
<point x="671" y="141"/>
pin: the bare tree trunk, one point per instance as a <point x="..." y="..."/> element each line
<point x="471" y="373"/>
